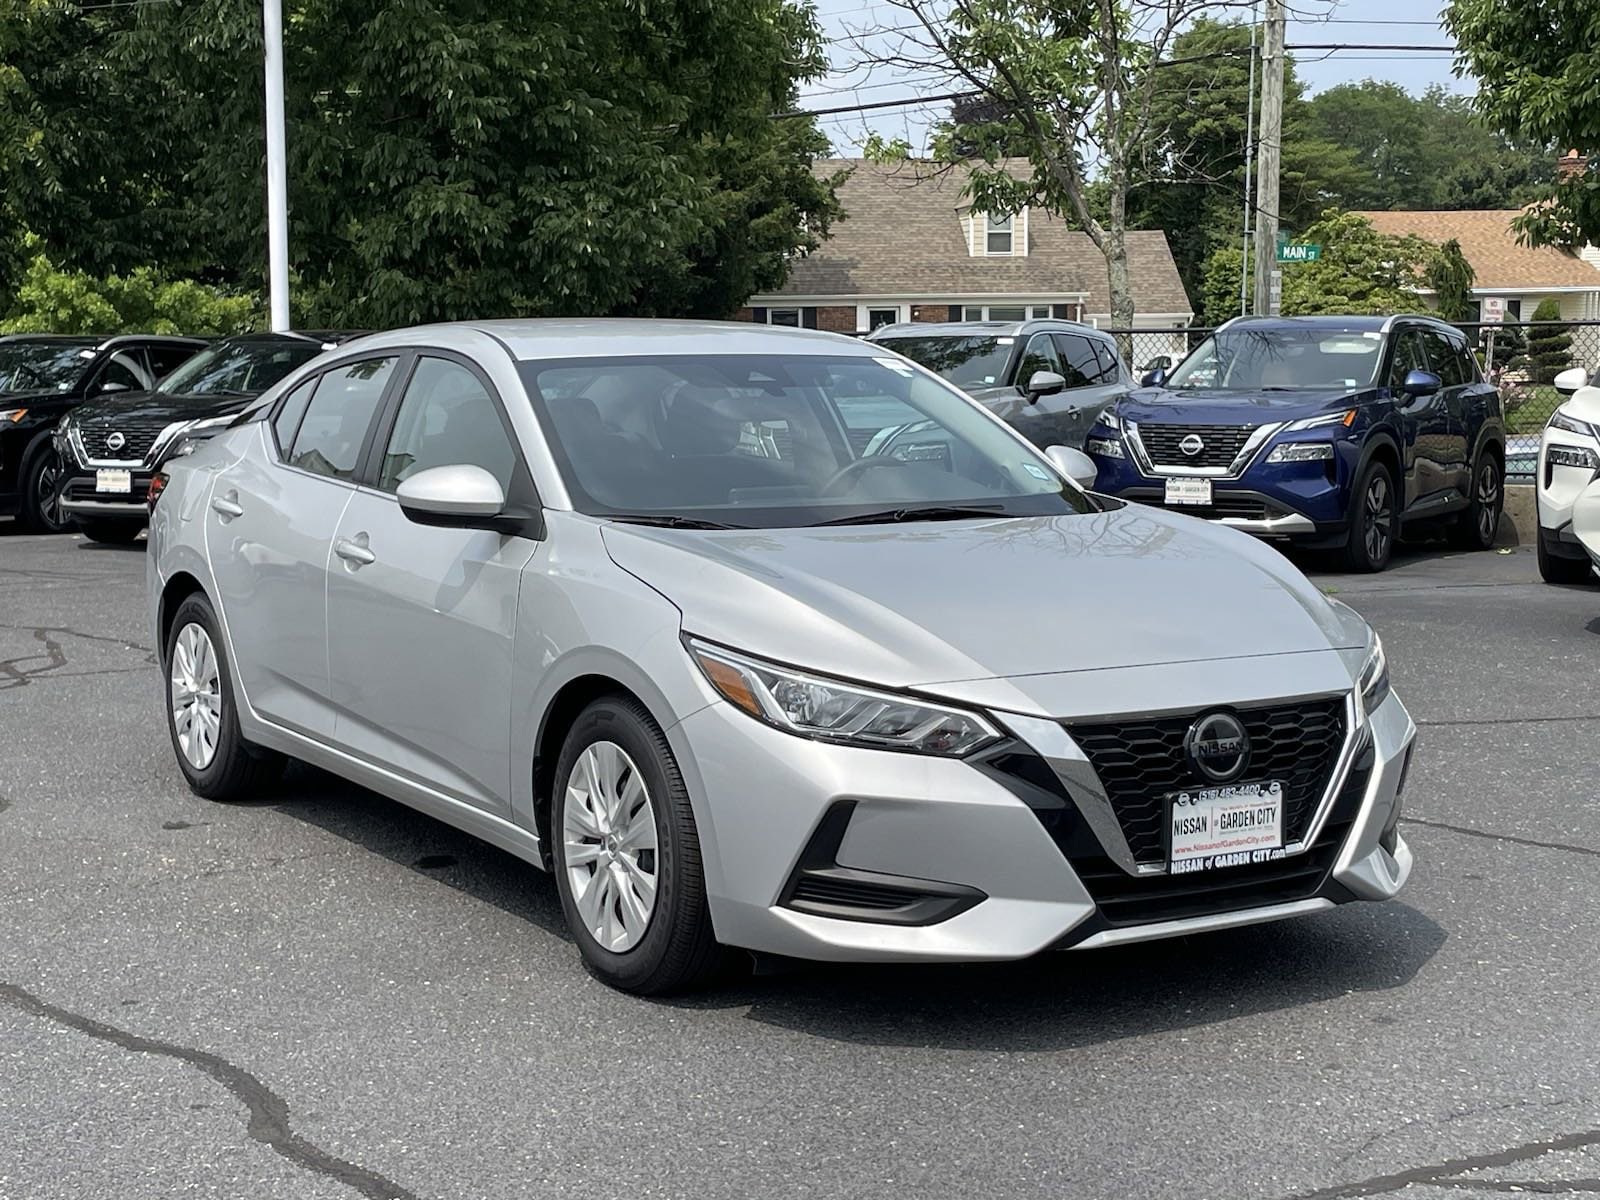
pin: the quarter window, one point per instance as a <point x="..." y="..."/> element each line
<point x="336" y="422"/>
<point x="447" y="419"/>
<point x="293" y="407"/>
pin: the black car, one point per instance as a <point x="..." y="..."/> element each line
<point x="42" y="377"/>
<point x="110" y="448"/>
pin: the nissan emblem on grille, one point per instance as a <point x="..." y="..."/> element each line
<point x="1218" y="747"/>
<point x="116" y="441"/>
<point x="1192" y="445"/>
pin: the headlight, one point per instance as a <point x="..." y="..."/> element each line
<point x="832" y="711"/>
<point x="1345" y="417"/>
<point x="1558" y="420"/>
<point x="10" y="416"/>
<point x="182" y="435"/>
<point x="1301" y="452"/>
<point x="1374" y="678"/>
<point x="1108" y="417"/>
<point x="1105" y="447"/>
<point x="1572" y="456"/>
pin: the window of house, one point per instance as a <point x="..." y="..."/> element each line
<point x="784" y="316"/>
<point x="878" y="317"/>
<point x="1006" y="312"/>
<point x="335" y="425"/>
<point x="999" y="235"/>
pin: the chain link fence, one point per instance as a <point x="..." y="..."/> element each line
<point x="1522" y="359"/>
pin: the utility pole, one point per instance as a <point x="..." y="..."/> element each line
<point x="277" y="172"/>
<point x="1271" y="144"/>
<point x="1249" y="161"/>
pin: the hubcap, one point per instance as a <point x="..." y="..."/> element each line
<point x="49" y="502"/>
<point x="608" y="832"/>
<point x="196" y="696"/>
<point x="1488" y="500"/>
<point x="1379" y="519"/>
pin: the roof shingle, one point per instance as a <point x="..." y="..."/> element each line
<point x="1490" y="246"/>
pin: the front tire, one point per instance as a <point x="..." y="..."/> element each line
<point x="1553" y="569"/>
<point x="41" y="506"/>
<point x="627" y="855"/>
<point x="110" y="533"/>
<point x="1373" y="521"/>
<point x="202" y="715"/>
<point x="1476" y="527"/>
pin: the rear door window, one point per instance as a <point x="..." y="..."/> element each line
<point x="336" y="422"/>
<point x="1110" y="369"/>
<point x="1082" y="364"/>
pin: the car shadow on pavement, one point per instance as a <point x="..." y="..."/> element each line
<point x="421" y="843"/>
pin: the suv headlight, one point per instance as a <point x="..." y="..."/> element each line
<point x="1374" y="678"/>
<point x="1301" y="452"/>
<point x="833" y="711"/>
<point x="1558" y="420"/>
<point x="1345" y="417"/>
<point x="181" y="438"/>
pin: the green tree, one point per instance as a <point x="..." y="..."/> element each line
<point x="1549" y="343"/>
<point x="1450" y="276"/>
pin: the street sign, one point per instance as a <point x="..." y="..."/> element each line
<point x="1275" y="294"/>
<point x="1298" y="252"/>
<point x="1494" y="309"/>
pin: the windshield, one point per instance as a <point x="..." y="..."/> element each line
<point x="1283" y="358"/>
<point x="42" y="366"/>
<point x="777" y="440"/>
<point x="242" y="367"/>
<point x="967" y="362"/>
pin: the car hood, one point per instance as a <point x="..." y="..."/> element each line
<point x="158" y="406"/>
<point x="920" y="604"/>
<point x="1216" y="406"/>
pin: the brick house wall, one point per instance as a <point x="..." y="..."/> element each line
<point x="925" y="313"/>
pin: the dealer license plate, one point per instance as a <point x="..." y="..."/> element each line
<point x="1225" y="826"/>
<point x="113" y="481"/>
<point x="1188" y="491"/>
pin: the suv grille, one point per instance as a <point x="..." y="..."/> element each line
<point x="1222" y="444"/>
<point x="1139" y="762"/>
<point x="139" y="434"/>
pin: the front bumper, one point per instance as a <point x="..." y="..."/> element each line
<point x="79" y="497"/>
<point x="1002" y="847"/>
<point x="1557" y="488"/>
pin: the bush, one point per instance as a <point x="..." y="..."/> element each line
<point x="1549" y="345"/>
<point x="50" y="300"/>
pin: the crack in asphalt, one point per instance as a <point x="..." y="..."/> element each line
<point x="1538" y="1187"/>
<point x="1449" y="1174"/>
<point x="1503" y="721"/>
<point x="13" y="674"/>
<point x="1568" y="847"/>
<point x="268" y="1113"/>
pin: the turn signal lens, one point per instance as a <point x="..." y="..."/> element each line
<point x="158" y="484"/>
<point x="13" y="415"/>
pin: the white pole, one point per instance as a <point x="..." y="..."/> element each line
<point x="277" y="183"/>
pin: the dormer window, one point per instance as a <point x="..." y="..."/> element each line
<point x="998" y="235"/>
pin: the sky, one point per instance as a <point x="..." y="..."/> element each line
<point x="846" y="22"/>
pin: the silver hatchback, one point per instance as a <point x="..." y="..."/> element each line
<point x="768" y="639"/>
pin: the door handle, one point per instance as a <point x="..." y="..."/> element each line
<point x="227" y="506"/>
<point x="354" y="552"/>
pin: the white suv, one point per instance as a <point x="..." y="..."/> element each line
<point x="1569" y="460"/>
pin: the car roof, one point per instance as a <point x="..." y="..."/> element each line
<point x="1351" y="323"/>
<point x="324" y="337"/>
<point x="618" y="337"/>
<point x="985" y="328"/>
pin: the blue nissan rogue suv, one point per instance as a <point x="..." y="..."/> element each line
<point x="1327" y="431"/>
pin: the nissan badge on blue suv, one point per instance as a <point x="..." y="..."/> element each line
<point x="1330" y="432"/>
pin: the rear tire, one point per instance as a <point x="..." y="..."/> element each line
<point x="110" y="533"/>
<point x="624" y="843"/>
<point x="1561" y="570"/>
<point x="1374" y="520"/>
<point x="1475" y="528"/>
<point x="40" y="511"/>
<point x="202" y="716"/>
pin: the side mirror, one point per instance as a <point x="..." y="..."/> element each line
<point x="1571" y="380"/>
<point x="106" y="389"/>
<point x="1074" y="464"/>
<point x="1421" y="383"/>
<point x="458" y="497"/>
<point x="1044" y="383"/>
<point x="1156" y="378"/>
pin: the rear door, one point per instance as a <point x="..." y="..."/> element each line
<point x="269" y="533"/>
<point x="1094" y="380"/>
<point x="421" y="620"/>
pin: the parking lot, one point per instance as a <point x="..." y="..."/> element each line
<point x="326" y="994"/>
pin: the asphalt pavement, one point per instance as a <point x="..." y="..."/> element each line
<point x="324" y="994"/>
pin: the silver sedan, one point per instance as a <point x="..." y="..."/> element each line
<point x="766" y="639"/>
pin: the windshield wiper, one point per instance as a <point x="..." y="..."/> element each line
<point x="930" y="512"/>
<point x="664" y="521"/>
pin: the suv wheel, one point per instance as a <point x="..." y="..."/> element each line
<point x="1475" y="528"/>
<point x="1553" y="569"/>
<point x="626" y="854"/>
<point x="201" y="716"/>
<point x="1373" y="520"/>
<point x="112" y="533"/>
<point x="41" y="507"/>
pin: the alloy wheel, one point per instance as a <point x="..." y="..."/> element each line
<point x="608" y="830"/>
<point x="196" y="696"/>
<point x="48" y="502"/>
<point x="1380" y="518"/>
<point x="1488" y="501"/>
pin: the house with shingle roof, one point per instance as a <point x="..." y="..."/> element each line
<point x="1519" y="275"/>
<point x="910" y="247"/>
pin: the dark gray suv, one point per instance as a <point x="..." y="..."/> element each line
<point x="1049" y="379"/>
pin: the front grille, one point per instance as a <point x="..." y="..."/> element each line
<point x="1140" y="761"/>
<point x="139" y="434"/>
<point x="1222" y="444"/>
<point x="1223" y="504"/>
<point x="1125" y="899"/>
